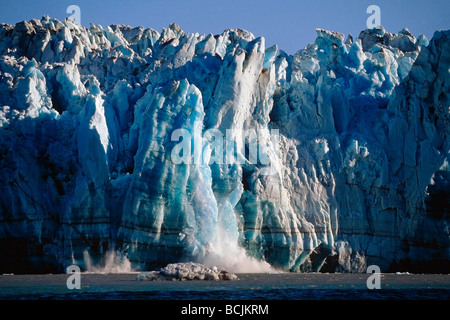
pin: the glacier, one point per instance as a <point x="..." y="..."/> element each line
<point x="358" y="175"/>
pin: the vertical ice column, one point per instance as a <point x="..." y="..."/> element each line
<point x="170" y="212"/>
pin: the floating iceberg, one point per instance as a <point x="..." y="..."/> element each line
<point x="187" y="271"/>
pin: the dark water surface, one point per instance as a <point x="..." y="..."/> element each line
<point x="283" y="286"/>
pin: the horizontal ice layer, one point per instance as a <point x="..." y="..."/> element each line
<point x="357" y="175"/>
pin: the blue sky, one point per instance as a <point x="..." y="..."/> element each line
<point x="289" y="23"/>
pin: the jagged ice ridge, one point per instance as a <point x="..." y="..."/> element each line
<point x="86" y="118"/>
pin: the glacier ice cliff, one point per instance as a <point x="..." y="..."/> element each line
<point x="359" y="174"/>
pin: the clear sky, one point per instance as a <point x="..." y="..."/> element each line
<point x="289" y="23"/>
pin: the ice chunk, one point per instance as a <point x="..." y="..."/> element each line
<point x="187" y="271"/>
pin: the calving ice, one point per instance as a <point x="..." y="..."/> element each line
<point x="170" y="146"/>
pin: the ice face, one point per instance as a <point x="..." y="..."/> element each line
<point x="341" y="156"/>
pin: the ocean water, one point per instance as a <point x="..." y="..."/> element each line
<point x="256" y="286"/>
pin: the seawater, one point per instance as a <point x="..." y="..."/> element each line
<point x="255" y="286"/>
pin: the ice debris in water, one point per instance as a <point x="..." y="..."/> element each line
<point x="187" y="271"/>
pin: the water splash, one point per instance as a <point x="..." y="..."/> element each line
<point x="229" y="255"/>
<point x="238" y="262"/>
<point x="112" y="262"/>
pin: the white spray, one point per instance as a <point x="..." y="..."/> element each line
<point x="112" y="262"/>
